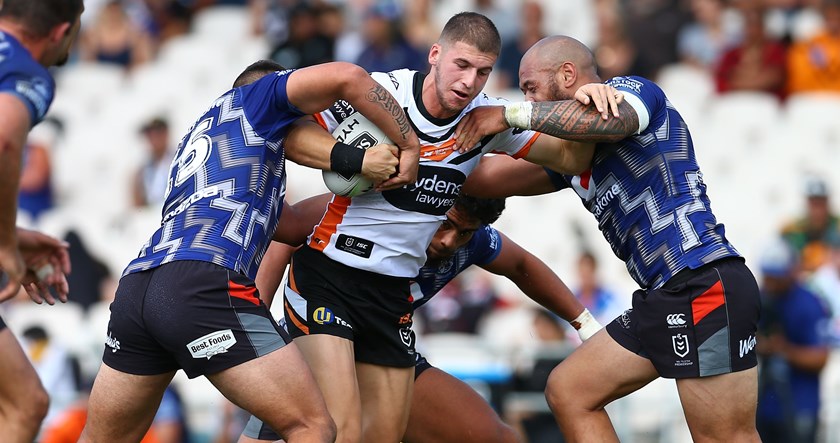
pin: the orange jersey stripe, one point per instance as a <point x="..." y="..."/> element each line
<point x="292" y="283"/>
<point x="707" y="302"/>
<point x="328" y="225"/>
<point x="320" y="120"/>
<point x="437" y="153"/>
<point x="294" y="319"/>
<point x="522" y="153"/>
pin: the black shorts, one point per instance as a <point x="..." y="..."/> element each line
<point x="258" y="430"/>
<point x="374" y="311"/>
<point x="2" y="324"/>
<point x="702" y="322"/>
<point x="191" y="315"/>
<point x="420" y="365"/>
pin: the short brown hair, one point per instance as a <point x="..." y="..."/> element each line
<point x="473" y="29"/>
<point x="38" y="17"/>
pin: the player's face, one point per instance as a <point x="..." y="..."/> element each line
<point x="539" y="83"/>
<point x="453" y="233"/>
<point x="460" y="73"/>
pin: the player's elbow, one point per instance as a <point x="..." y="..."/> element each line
<point x="350" y="75"/>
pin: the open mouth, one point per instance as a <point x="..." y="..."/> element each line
<point x="460" y="94"/>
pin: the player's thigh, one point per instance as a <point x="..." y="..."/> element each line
<point x="277" y="387"/>
<point x="386" y="396"/>
<point x="331" y="360"/>
<point x="447" y="410"/>
<point x="721" y="407"/>
<point x="122" y="406"/>
<point x="596" y="373"/>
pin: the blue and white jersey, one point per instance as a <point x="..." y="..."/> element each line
<point x="22" y="76"/>
<point x="227" y="182"/>
<point x="483" y="248"/>
<point x="648" y="195"/>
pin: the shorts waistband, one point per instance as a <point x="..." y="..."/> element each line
<point x="685" y="274"/>
<point x="361" y="273"/>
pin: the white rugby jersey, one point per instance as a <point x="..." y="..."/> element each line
<point x="388" y="232"/>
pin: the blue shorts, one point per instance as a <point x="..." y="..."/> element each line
<point x="190" y="315"/>
<point x="702" y="322"/>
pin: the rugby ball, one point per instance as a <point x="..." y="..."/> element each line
<point x="358" y="131"/>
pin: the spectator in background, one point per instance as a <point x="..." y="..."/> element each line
<point x="600" y="301"/>
<point x="652" y="26"/>
<point x="702" y="42"/>
<point x="507" y="67"/>
<point x="90" y="275"/>
<point x="810" y="234"/>
<point x="791" y="342"/>
<point x="36" y="194"/>
<point x="551" y="348"/>
<point x="115" y="39"/>
<point x="825" y="282"/>
<point x="168" y="426"/>
<point x="305" y="45"/>
<point x="757" y="64"/>
<point x="386" y="49"/>
<point x="150" y="181"/>
<point x="615" y="52"/>
<point x="814" y="65"/>
<point x="418" y="25"/>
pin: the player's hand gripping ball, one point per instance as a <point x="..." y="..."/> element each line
<point x="359" y="132"/>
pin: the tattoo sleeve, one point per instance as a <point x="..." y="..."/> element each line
<point x="380" y="95"/>
<point x="572" y="120"/>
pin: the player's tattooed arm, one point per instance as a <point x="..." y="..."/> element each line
<point x="571" y="120"/>
<point x="378" y="94"/>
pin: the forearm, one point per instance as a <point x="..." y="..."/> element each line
<point x="298" y="220"/>
<point x="502" y="176"/>
<point x="308" y="144"/>
<point x="10" y="157"/>
<point x="541" y="284"/>
<point x="806" y="358"/>
<point x="272" y="268"/>
<point x="572" y="120"/>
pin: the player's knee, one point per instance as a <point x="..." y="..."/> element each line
<point x="557" y="389"/>
<point x="34" y="407"/>
<point x="324" y="427"/>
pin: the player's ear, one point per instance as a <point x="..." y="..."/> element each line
<point x="58" y="32"/>
<point x="566" y="75"/>
<point x="434" y="54"/>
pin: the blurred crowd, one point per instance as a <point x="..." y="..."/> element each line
<point x="779" y="47"/>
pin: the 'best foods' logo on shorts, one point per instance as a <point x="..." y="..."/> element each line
<point x="211" y="344"/>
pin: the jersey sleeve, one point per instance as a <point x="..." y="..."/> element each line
<point x="646" y="98"/>
<point x="486" y="244"/>
<point x="266" y="103"/>
<point x="34" y="90"/>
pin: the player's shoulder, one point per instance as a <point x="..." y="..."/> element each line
<point x="397" y="80"/>
<point x="16" y="61"/>
<point x="485" y="99"/>
<point x="634" y="83"/>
